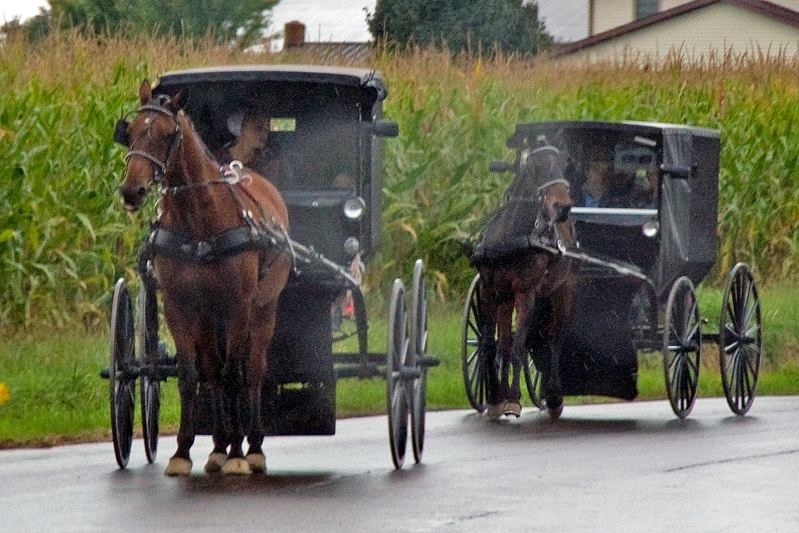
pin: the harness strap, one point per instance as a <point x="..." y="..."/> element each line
<point x="216" y="248"/>
<point x="161" y="166"/>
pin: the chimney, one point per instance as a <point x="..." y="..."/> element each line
<point x="293" y="34"/>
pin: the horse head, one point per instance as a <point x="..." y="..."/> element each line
<point x="152" y="138"/>
<point x="542" y="177"/>
<point x="537" y="202"/>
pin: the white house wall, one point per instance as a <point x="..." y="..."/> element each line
<point x="609" y="14"/>
<point x="717" y="27"/>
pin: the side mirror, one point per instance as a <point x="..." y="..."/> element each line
<point x="121" y="132"/>
<point x="679" y="172"/>
<point x="385" y="128"/>
<point x="498" y="165"/>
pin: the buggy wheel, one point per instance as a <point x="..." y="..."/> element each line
<point x="147" y="326"/>
<point x="532" y="377"/>
<point x="740" y="340"/>
<point x="682" y="341"/>
<point x="473" y="360"/>
<point x="396" y="384"/>
<point x="418" y="353"/>
<point x="122" y="373"/>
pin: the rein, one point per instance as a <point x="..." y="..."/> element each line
<point x="231" y="175"/>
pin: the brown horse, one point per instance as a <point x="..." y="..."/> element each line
<point x="519" y="260"/>
<point x="219" y="255"/>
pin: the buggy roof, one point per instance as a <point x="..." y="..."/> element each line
<point x="346" y="76"/>
<point x="523" y="131"/>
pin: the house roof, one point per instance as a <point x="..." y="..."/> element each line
<point x="759" y="7"/>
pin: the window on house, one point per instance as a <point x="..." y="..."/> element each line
<point x="644" y="8"/>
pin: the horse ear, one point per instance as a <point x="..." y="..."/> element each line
<point x="177" y="102"/>
<point x="145" y="92"/>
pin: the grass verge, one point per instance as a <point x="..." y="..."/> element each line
<point x="56" y="395"/>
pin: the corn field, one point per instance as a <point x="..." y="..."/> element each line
<point x="64" y="238"/>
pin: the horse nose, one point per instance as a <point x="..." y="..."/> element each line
<point x="132" y="196"/>
<point x="562" y="212"/>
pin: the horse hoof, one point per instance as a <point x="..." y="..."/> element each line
<point x="555" y="412"/>
<point x="257" y="463"/>
<point x="512" y="408"/>
<point x="494" y="411"/>
<point x="178" y="466"/>
<point x="215" y="462"/>
<point x="237" y="466"/>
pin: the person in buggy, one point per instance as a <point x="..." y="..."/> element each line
<point x="252" y="148"/>
<point x="610" y="184"/>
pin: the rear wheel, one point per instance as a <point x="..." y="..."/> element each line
<point x="740" y="339"/>
<point x="419" y="351"/>
<point x="396" y="388"/>
<point x="147" y="326"/>
<point x="122" y="373"/>
<point x="473" y="359"/>
<point x="682" y="341"/>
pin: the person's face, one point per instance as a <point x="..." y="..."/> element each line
<point x="256" y="129"/>
<point x="597" y="170"/>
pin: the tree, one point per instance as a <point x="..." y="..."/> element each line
<point x="510" y="25"/>
<point x="242" y="22"/>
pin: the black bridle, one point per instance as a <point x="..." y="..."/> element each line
<point x="540" y="190"/>
<point x="177" y="138"/>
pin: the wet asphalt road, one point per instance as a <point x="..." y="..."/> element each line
<point x="610" y="468"/>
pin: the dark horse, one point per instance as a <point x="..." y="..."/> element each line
<point x="520" y="259"/>
<point x="221" y="261"/>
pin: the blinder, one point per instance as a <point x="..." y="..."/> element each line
<point x="121" y="134"/>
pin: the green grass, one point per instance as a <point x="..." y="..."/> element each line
<point x="57" y="395"/>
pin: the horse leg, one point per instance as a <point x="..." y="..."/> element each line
<point x="524" y="303"/>
<point x="221" y="435"/>
<point x="260" y="339"/>
<point x="237" y="333"/>
<point x="221" y="431"/>
<point x="180" y="464"/>
<point x="505" y="344"/>
<point x="487" y="328"/>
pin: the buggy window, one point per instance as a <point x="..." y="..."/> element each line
<point x="614" y="171"/>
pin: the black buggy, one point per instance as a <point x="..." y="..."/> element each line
<point x="642" y="249"/>
<point x="328" y="122"/>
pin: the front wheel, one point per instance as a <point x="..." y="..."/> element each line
<point x="682" y="343"/>
<point x="532" y="377"/>
<point x="147" y="325"/>
<point x="473" y="357"/>
<point x="122" y="373"/>
<point x="396" y="388"/>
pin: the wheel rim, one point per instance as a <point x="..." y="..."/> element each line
<point x="682" y="341"/>
<point x="419" y="349"/>
<point x="397" y="393"/>
<point x="147" y="329"/>
<point x="740" y="342"/>
<point x="472" y="355"/>
<point x="122" y="384"/>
